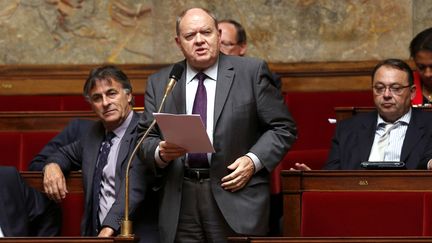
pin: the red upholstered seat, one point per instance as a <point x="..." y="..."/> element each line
<point x="311" y="111"/>
<point x="72" y="209"/>
<point x="10" y="144"/>
<point x="364" y="214"/>
<point x="32" y="143"/>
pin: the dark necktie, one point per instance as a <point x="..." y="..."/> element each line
<point x="199" y="160"/>
<point x="97" y="178"/>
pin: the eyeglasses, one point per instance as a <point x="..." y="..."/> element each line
<point x="394" y="89"/>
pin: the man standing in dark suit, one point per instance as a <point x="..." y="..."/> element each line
<point x="102" y="156"/>
<point x="24" y="211"/>
<point x="207" y="197"/>
<point x="395" y="132"/>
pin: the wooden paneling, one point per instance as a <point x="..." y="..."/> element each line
<point x="69" y="79"/>
<point x="43" y="120"/>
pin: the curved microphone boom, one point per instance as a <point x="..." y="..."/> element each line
<point x="126" y="226"/>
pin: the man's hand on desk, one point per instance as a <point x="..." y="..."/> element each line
<point x="106" y="232"/>
<point x="301" y="166"/>
<point x="54" y="182"/>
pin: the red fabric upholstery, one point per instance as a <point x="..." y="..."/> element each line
<point x="427" y="213"/>
<point x="311" y="111"/>
<point x="32" y="143"/>
<point x="72" y="209"/>
<point x="27" y="102"/>
<point x="363" y="214"/>
<point x="10" y="143"/>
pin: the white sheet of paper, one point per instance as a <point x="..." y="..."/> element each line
<point x="186" y="131"/>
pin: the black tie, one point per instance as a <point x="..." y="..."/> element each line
<point x="199" y="160"/>
<point x="97" y="178"/>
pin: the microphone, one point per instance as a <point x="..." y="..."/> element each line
<point x="176" y="73"/>
<point x="126" y="225"/>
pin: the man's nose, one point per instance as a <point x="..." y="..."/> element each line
<point x="105" y="100"/>
<point x="199" y="38"/>
<point x="387" y="92"/>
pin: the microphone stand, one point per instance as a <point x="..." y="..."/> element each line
<point x="126" y="225"/>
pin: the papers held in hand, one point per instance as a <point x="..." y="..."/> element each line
<point x="186" y="131"/>
<point x="383" y="165"/>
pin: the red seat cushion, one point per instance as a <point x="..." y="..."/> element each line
<point x="10" y="144"/>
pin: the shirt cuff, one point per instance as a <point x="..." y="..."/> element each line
<point x="159" y="162"/>
<point x="256" y="161"/>
<point x="429" y="164"/>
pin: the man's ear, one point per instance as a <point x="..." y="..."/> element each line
<point x="177" y="40"/>
<point x="413" y="92"/>
<point x="243" y="48"/>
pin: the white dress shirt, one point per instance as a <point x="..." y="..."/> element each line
<point x="395" y="140"/>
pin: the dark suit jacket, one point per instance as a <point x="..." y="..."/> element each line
<point x="249" y="116"/>
<point x="69" y="134"/>
<point x="83" y="153"/>
<point x="354" y="137"/>
<point x="24" y="211"/>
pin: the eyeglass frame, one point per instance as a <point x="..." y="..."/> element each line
<point x="394" y="89"/>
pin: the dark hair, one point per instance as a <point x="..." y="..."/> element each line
<point x="421" y="42"/>
<point x="397" y="64"/>
<point x="183" y="13"/>
<point x="109" y="73"/>
<point x="241" y="33"/>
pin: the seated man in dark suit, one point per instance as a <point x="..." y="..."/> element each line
<point x="395" y="132"/>
<point x="24" y="211"/>
<point x="102" y="154"/>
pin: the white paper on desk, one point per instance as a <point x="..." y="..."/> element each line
<point x="186" y="131"/>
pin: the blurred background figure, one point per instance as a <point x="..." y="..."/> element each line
<point x="421" y="51"/>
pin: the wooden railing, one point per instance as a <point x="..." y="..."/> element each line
<point x="69" y="79"/>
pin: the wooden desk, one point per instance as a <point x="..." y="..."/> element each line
<point x="68" y="240"/>
<point x="295" y="183"/>
<point x="330" y="239"/>
<point x="35" y="180"/>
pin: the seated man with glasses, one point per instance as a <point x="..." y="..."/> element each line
<point x="394" y="132"/>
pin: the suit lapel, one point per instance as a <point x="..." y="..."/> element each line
<point x="93" y="146"/>
<point x="223" y="86"/>
<point x="413" y="134"/>
<point x="366" y="136"/>
<point x="127" y="144"/>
